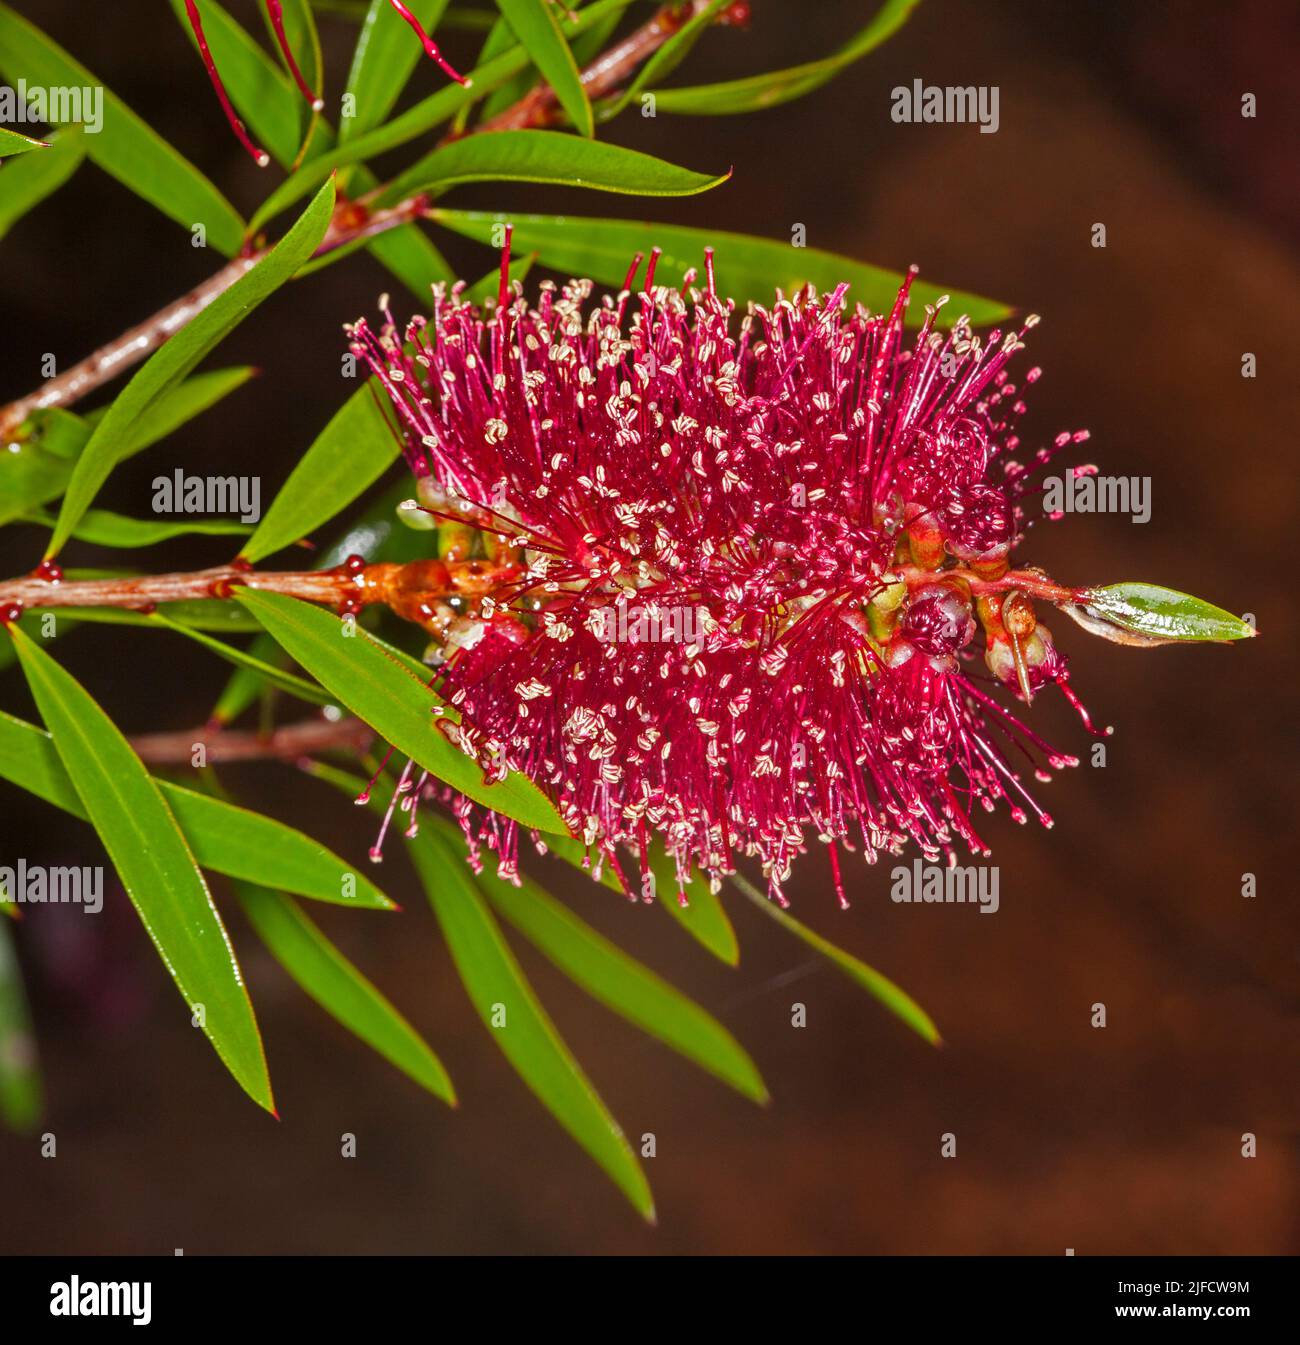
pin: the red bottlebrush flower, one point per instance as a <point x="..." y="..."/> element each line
<point x="747" y="563"/>
<point x="275" y="12"/>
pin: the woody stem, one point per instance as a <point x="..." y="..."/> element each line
<point x="287" y="743"/>
<point x="405" y="588"/>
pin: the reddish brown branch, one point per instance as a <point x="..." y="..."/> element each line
<point x="147" y="591"/>
<point x="288" y="743"/>
<point x="410" y="590"/>
<point x="349" y="225"/>
<point x="124" y="351"/>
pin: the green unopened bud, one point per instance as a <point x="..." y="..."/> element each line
<point x="413" y="514"/>
<point x="891" y="593"/>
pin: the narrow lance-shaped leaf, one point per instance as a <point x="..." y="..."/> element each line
<point x="896" y="1000"/>
<point x="302" y="37"/>
<point x="586" y="46"/>
<point x="382" y="61"/>
<point x="345" y="458"/>
<point x="210" y="614"/>
<point x="375" y="534"/>
<point x="669" y="56"/>
<point x="618" y="981"/>
<point x="515" y="1019"/>
<point x="701" y="916"/>
<point x="178" y="356"/>
<point x="500" y="38"/>
<point x="1156" y="615"/>
<point x="20" y="1079"/>
<point x="550" y="157"/>
<point x="267" y="100"/>
<point x="105" y="528"/>
<point x="178" y="406"/>
<point x="537" y="26"/>
<point x="748" y="269"/>
<point x="415" y="121"/>
<point x="322" y="971"/>
<point x="222" y="836"/>
<point x="13" y="143"/>
<point x="40" y="469"/>
<point x="276" y="112"/>
<point x="277" y="677"/>
<point x="26" y="182"/>
<point x="387" y="696"/>
<point x="780" y="86"/>
<point x="121" y="143"/>
<point x="155" y="864"/>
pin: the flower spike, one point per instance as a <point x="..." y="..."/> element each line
<point x="753" y="577"/>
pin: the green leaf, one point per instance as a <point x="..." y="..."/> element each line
<point x="549" y="157"/>
<point x="276" y="677"/>
<point x="780" y="86"/>
<point x="668" y="57"/>
<point x="52" y="440"/>
<point x="298" y="945"/>
<point x="495" y="982"/>
<point x="535" y="24"/>
<point x="11" y="143"/>
<point x="415" y="121"/>
<point x="748" y="269"/>
<point x="178" y="356"/>
<point x="223" y="837"/>
<point x="20" y="1079"/>
<point x="178" y="406"/>
<point x="245" y="686"/>
<point x="896" y="1000"/>
<point x="620" y="982"/>
<point x="501" y="37"/>
<point x="349" y="455"/>
<point x="279" y="117"/>
<point x="28" y="181"/>
<point x="104" y="528"/>
<point x="34" y="474"/>
<point x="370" y="535"/>
<point x="268" y="101"/>
<point x="385" y="55"/>
<point x="304" y="41"/>
<point x="391" y="699"/>
<point x="211" y="614"/>
<point x="1162" y="615"/>
<point x="154" y="863"/>
<point x="123" y="146"/>
<point x="702" y="917"/>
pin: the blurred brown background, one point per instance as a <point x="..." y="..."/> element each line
<point x="1125" y="1139"/>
